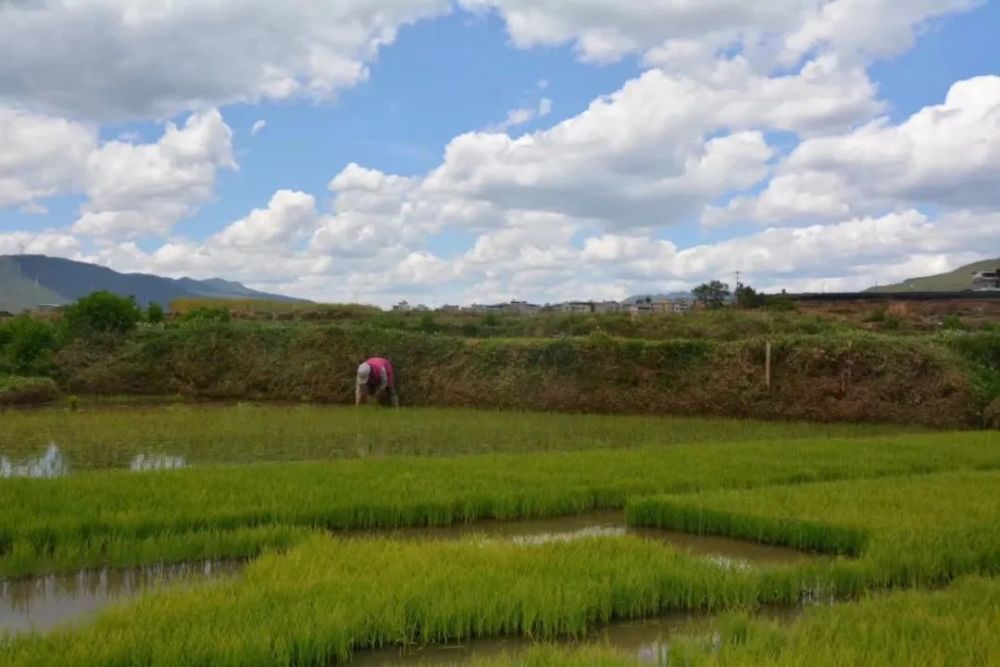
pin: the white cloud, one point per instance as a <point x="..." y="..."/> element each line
<point x="523" y="115"/>
<point x="40" y="156"/>
<point x="107" y="59"/>
<point x="257" y="127"/>
<point x="138" y="190"/>
<point x="289" y="216"/>
<point x="946" y="155"/>
<point x="50" y="242"/>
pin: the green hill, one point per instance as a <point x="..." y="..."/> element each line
<point x="28" y="281"/>
<point x="954" y="281"/>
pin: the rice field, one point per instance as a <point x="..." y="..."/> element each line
<point x="895" y="517"/>
<point x="105" y="435"/>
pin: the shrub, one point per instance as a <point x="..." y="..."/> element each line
<point x="954" y="323"/>
<point x="102" y="312"/>
<point x="428" y="324"/>
<point x="154" y="313"/>
<point x="27" y="344"/>
<point x="27" y="390"/>
<point x="206" y="314"/>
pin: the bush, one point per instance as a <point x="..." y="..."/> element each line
<point x="206" y="315"/>
<point x="154" y="313"/>
<point x="428" y="324"/>
<point x="27" y="390"/>
<point x="954" y="323"/>
<point x="102" y="312"/>
<point x="26" y="344"/>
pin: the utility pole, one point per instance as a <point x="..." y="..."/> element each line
<point x="738" y="284"/>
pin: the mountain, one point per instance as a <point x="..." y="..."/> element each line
<point x="670" y="296"/>
<point x="32" y="280"/>
<point x="954" y="281"/>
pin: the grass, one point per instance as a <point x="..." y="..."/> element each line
<point x="110" y="437"/>
<point x="68" y="523"/>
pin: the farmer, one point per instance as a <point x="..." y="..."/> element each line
<point x="375" y="380"/>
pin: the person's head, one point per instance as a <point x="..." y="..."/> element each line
<point x="364" y="372"/>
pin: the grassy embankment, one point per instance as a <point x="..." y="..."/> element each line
<point x="108" y="437"/>
<point x="837" y="377"/>
<point x="327" y="597"/>
<point x="91" y="518"/>
<point x="955" y="626"/>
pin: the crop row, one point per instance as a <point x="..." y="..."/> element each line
<point x="955" y="626"/>
<point x="71" y="522"/>
<point x="112" y="437"/>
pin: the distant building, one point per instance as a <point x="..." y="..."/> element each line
<point x="402" y="307"/>
<point x="448" y="308"/>
<point x="576" y="307"/>
<point x="986" y="280"/>
<point x="607" y="307"/>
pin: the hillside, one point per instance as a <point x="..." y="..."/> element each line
<point x="31" y="280"/>
<point x="954" y="281"/>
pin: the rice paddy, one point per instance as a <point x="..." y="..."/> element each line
<point x="459" y="530"/>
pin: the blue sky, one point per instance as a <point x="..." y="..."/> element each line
<point x="492" y="149"/>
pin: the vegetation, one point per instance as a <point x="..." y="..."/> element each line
<point x="954" y="626"/>
<point x="26" y="390"/>
<point x="713" y="294"/>
<point x="102" y="313"/>
<point x="65" y="523"/>
<point x="101" y="436"/>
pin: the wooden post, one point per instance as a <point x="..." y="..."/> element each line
<point x="767" y="365"/>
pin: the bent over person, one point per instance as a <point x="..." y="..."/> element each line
<point x="375" y="380"/>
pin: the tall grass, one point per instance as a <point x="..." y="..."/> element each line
<point x="108" y="437"/>
<point x="67" y="521"/>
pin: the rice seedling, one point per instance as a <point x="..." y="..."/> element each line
<point x="956" y="626"/>
<point x="72" y="521"/>
<point x="111" y="437"/>
<point x="916" y="530"/>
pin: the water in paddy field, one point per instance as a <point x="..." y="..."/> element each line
<point x="41" y="603"/>
<point x="52" y="463"/>
<point x="44" y="602"/>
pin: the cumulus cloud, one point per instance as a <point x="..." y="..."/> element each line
<point x="41" y="156"/>
<point x="946" y="155"/>
<point x="289" y="216"/>
<point x="144" y="189"/>
<point x="108" y="60"/>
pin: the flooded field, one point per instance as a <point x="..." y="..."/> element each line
<point x="41" y="603"/>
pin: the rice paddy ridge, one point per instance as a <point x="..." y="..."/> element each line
<point x="73" y="522"/>
<point x="110" y="436"/>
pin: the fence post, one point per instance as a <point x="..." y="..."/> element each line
<point x="767" y="365"/>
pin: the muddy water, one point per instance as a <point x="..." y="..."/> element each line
<point x="724" y="551"/>
<point x="41" y="603"/>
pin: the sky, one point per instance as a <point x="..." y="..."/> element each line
<point x="485" y="150"/>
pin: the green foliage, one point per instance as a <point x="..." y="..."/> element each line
<point x="64" y="522"/>
<point x="73" y="402"/>
<point x="26" y="345"/>
<point x="712" y="294"/>
<point x="154" y="313"/>
<point x="205" y="314"/>
<point x="748" y="298"/>
<point x="491" y="320"/>
<point x="780" y="304"/>
<point x="102" y="313"/>
<point x="16" y="390"/>
<point x="427" y="323"/>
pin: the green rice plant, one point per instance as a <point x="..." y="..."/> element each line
<point x="955" y="626"/>
<point x="78" y="514"/>
<point x="327" y="598"/>
<point x="109" y="437"/>
<point x="907" y="531"/>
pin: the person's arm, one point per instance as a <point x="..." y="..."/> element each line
<point x="358" y="389"/>
<point x="383" y="382"/>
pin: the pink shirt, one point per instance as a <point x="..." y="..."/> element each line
<point x="381" y="375"/>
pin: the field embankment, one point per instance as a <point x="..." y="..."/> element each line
<point x="832" y="377"/>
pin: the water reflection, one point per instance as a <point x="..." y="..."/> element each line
<point x="50" y="464"/>
<point x="142" y="462"/>
<point x="724" y="552"/>
<point x="42" y="602"/>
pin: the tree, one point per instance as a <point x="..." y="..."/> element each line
<point x="26" y="344"/>
<point x="154" y="313"/>
<point x="712" y="295"/>
<point x="748" y="297"/>
<point x="102" y="312"/>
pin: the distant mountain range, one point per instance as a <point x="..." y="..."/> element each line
<point x="954" y="281"/>
<point x="28" y="281"/>
<point x="669" y="296"/>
